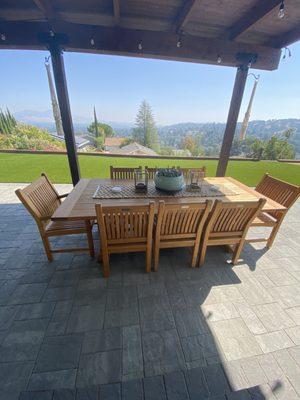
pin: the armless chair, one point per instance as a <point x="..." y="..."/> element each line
<point x="180" y="225"/>
<point x="41" y="200"/>
<point x="125" y="230"/>
<point x="228" y="224"/>
<point x="122" y="172"/>
<point x="186" y="171"/>
<point x="283" y="193"/>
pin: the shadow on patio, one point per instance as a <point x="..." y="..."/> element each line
<point x="217" y="332"/>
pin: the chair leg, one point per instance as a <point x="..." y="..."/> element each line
<point x="90" y="238"/>
<point x="148" y="260"/>
<point x="47" y="247"/>
<point x="237" y="252"/>
<point x="195" y="256"/>
<point x="156" y="257"/>
<point x="202" y="255"/>
<point x="273" y="234"/>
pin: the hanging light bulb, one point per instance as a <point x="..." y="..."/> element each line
<point x="219" y="59"/>
<point x="281" y="12"/>
<point x="51" y="33"/>
<point x="2" y="37"/>
<point x="140" y="46"/>
<point x="92" y="41"/>
<point x="179" y="43"/>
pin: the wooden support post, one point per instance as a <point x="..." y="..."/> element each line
<point x="233" y="114"/>
<point x="65" y="111"/>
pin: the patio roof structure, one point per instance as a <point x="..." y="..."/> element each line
<point x="236" y="33"/>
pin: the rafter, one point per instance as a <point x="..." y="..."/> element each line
<point x="117" y="12"/>
<point x="46" y="8"/>
<point x="256" y="13"/>
<point x="184" y="14"/>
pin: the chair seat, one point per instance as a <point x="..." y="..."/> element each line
<point x="55" y="226"/>
<point x="264" y="219"/>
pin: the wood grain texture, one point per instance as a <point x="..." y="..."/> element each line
<point x="81" y="205"/>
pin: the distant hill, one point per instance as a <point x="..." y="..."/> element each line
<point x="171" y="135"/>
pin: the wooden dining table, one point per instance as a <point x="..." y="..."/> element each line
<point x="80" y="203"/>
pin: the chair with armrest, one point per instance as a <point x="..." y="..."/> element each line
<point x="41" y="200"/>
<point x="283" y="193"/>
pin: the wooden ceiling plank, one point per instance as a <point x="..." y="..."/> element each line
<point x="256" y="13"/>
<point x="184" y="14"/>
<point x="117" y="11"/>
<point x="46" y="8"/>
<point x="122" y="41"/>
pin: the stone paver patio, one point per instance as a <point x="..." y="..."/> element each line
<point x="219" y="332"/>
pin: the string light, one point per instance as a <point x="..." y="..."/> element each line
<point x="92" y="41"/>
<point x="287" y="52"/>
<point x="51" y="33"/>
<point x="140" y="46"/>
<point x="219" y="59"/>
<point x="281" y="12"/>
<point x="2" y="37"/>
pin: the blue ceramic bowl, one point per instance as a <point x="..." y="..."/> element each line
<point x="169" y="183"/>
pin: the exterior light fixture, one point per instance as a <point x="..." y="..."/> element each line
<point x="219" y="59"/>
<point x="281" y="12"/>
<point x="287" y="52"/>
<point x="51" y="33"/>
<point x="140" y="46"/>
<point x="2" y="37"/>
<point x="179" y="43"/>
<point x="92" y="41"/>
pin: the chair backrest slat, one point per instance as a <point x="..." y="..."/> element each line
<point x="282" y="192"/>
<point x="181" y="219"/>
<point x="122" y="172"/>
<point x="186" y="171"/>
<point x="235" y="218"/>
<point x="40" y="198"/>
<point x="129" y="223"/>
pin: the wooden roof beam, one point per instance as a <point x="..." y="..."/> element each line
<point x="184" y="14"/>
<point x="117" y="11"/>
<point x="256" y="13"/>
<point x="122" y="41"/>
<point x="46" y="8"/>
<point x="285" y="39"/>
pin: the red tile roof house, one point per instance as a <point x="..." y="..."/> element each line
<point x="111" y="144"/>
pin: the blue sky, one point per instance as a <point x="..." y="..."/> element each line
<point x="177" y="92"/>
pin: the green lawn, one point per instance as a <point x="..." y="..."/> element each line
<point x="27" y="167"/>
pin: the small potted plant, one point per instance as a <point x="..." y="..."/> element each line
<point x="169" y="179"/>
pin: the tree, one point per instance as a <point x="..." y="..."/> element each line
<point x="192" y="143"/>
<point x="103" y="129"/>
<point x="145" y="131"/>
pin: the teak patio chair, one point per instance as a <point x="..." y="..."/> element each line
<point x="228" y="224"/>
<point x="41" y="200"/>
<point x="283" y="193"/>
<point x="122" y="172"/>
<point x="151" y="172"/>
<point x="180" y="225"/>
<point x="186" y="171"/>
<point x="125" y="230"/>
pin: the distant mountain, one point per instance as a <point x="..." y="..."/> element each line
<point x="44" y="119"/>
